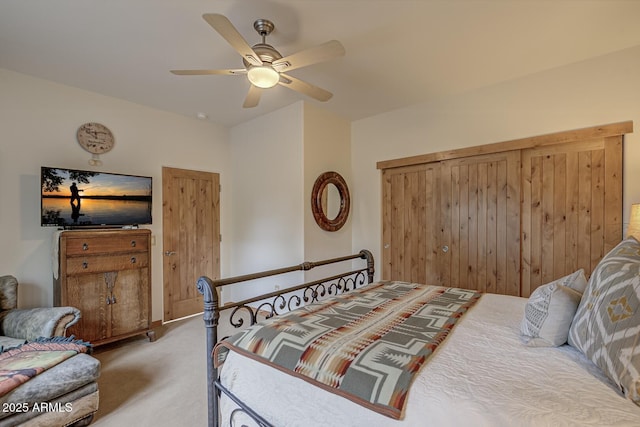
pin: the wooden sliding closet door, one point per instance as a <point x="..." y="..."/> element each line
<point x="454" y="223"/>
<point x="505" y="217"/>
<point x="480" y="223"/>
<point x="409" y="227"/>
<point x="571" y="208"/>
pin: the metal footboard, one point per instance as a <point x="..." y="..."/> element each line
<point x="269" y="304"/>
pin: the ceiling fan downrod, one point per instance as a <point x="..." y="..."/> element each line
<point x="264" y="27"/>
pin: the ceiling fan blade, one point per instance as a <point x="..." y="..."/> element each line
<point x="208" y="72"/>
<point x="253" y="97"/>
<point x="306" y="88"/>
<point x="324" y="52"/>
<point x="225" y="28"/>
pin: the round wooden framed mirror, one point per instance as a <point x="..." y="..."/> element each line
<point x="330" y="201"/>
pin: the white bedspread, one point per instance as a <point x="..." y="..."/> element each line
<point x="482" y="375"/>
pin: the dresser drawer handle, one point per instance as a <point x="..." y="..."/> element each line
<point x="133" y="260"/>
<point x="133" y="243"/>
<point x="85" y="265"/>
<point x="85" y="246"/>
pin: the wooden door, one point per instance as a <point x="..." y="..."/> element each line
<point x="409" y="229"/>
<point x="191" y="237"/>
<point x="479" y="232"/>
<point x="569" y="189"/>
<point x="571" y="208"/>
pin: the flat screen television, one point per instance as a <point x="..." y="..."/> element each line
<point x="73" y="198"/>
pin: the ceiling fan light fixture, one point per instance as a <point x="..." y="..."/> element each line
<point x="263" y="77"/>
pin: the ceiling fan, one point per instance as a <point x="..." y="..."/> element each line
<point x="264" y="65"/>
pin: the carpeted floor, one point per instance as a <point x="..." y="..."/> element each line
<point x="161" y="383"/>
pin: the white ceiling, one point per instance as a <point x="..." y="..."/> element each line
<point x="399" y="52"/>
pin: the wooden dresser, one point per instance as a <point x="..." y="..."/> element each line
<point x="106" y="274"/>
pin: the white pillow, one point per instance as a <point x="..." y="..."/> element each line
<point x="550" y="310"/>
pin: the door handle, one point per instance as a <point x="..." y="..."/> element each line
<point x="169" y="253"/>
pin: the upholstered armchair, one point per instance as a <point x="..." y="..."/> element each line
<point x="20" y="325"/>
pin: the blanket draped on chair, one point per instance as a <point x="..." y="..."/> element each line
<point x="20" y="364"/>
<point x="366" y="345"/>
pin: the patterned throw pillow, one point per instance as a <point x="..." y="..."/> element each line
<point x="606" y="327"/>
<point x="550" y="310"/>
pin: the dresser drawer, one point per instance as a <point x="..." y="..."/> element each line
<point x="98" y="245"/>
<point x="96" y="264"/>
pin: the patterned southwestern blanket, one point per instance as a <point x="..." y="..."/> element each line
<point x="20" y="364"/>
<point x="366" y="345"/>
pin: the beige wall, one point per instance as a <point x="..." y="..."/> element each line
<point x="598" y="91"/>
<point x="266" y="184"/>
<point x="276" y="159"/>
<point x="327" y="147"/>
<point x="38" y="121"/>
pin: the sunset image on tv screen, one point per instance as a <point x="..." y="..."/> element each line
<point x="85" y="198"/>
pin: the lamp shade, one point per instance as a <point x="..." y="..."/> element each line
<point x="264" y="77"/>
<point x="634" y="222"/>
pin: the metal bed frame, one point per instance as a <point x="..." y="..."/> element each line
<point x="269" y="304"/>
